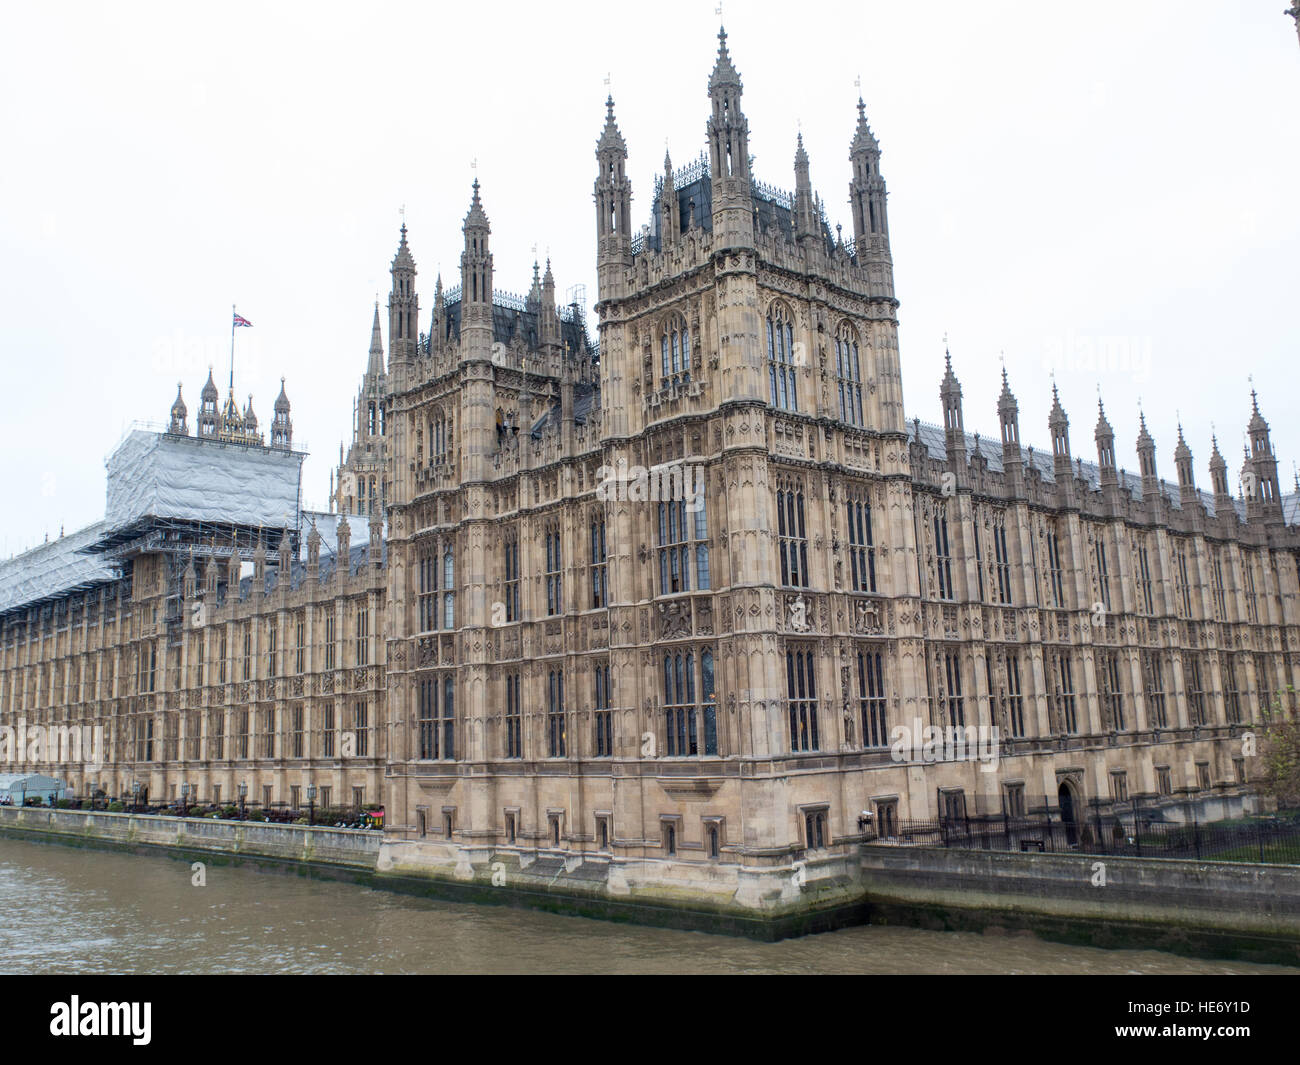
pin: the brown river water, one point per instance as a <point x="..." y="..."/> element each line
<point x="82" y="911"/>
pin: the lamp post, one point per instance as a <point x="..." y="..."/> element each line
<point x="135" y="797"/>
<point x="311" y="804"/>
<point x="185" y="799"/>
<point x="243" y="794"/>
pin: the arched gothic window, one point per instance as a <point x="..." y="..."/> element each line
<point x="780" y="359"/>
<point x="848" y="375"/>
<point x="675" y="348"/>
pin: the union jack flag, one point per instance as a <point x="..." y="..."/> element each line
<point x="241" y="320"/>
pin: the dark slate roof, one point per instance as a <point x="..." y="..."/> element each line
<point x="586" y="399"/>
<point x="512" y="317"/>
<point x="932" y="436"/>
<point x="771" y="206"/>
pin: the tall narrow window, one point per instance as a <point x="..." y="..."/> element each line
<point x="848" y="376"/>
<point x="942" y="554"/>
<point x="272" y="632"/>
<point x="363" y="637"/>
<point x="801" y="700"/>
<point x="952" y="702"/>
<point x="1001" y="561"/>
<point x="1195" y="688"/>
<point x="295" y="731"/>
<point x="675" y="349"/>
<point x="1015" y="698"/>
<point x="449" y="588"/>
<point x="1112" y="692"/>
<point x="1069" y="714"/>
<point x="1252" y="601"/>
<point x="1216" y="567"/>
<point x="1103" y="574"/>
<point x="330" y="638"/>
<point x="792" y="536"/>
<point x="1184" y="586"/>
<point x="1054" y="569"/>
<point x="447" y="723"/>
<point x="781" y="360"/>
<point x="1157" y="716"/>
<point x="1144" y="580"/>
<point x="682" y="545"/>
<point x="554" y="587"/>
<point x="361" y="728"/>
<point x="603" y="715"/>
<point x="862" y="551"/>
<point x="427" y="698"/>
<point x="599" y="597"/>
<point x="1231" y="692"/>
<point x="514" y="718"/>
<point x="300" y="645"/>
<point x="556" y="732"/>
<point x="427" y="596"/>
<point x="871" y="698"/>
<point x="511" y="551"/>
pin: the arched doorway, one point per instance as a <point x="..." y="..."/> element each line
<point x="1067" y="801"/>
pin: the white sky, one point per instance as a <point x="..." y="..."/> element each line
<point x="1116" y="177"/>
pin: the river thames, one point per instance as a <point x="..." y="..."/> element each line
<point x="83" y="911"/>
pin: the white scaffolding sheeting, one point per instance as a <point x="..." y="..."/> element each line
<point x="55" y="568"/>
<point x="156" y="475"/>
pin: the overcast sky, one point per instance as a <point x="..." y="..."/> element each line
<point x="1107" y="190"/>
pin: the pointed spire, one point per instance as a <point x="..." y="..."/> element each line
<point x="863" y="139"/>
<point x="1143" y="437"/>
<point x="724" y="73"/>
<point x="1103" y="426"/>
<point x="1257" y="423"/>
<point x="210" y="389"/>
<point x="476" y="215"/>
<point x="375" y="367"/>
<point x="610" y="137"/>
<point x="403" y="257"/>
<point x="282" y="401"/>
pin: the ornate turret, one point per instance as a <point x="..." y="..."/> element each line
<point x="403" y="307"/>
<point x="670" y="212"/>
<point x="728" y="130"/>
<point x="954" y="433"/>
<point x="1186" y="478"/>
<point x="209" y="418"/>
<point x="313" y="553"/>
<point x="1146" y="450"/>
<point x="613" y="195"/>
<point x="1105" y="437"/>
<point x="1009" y="420"/>
<point x="179" y="424"/>
<point x="1059" y="427"/>
<point x="1219" y="481"/>
<point x="805" y="211"/>
<point x="867" y="191"/>
<point x="1262" y="464"/>
<point x="281" y="426"/>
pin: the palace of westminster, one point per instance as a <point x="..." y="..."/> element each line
<point x="679" y="693"/>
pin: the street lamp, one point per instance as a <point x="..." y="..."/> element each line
<point x="243" y="794"/>
<point x="135" y="792"/>
<point x="185" y="799"/>
<point x="311" y="804"/>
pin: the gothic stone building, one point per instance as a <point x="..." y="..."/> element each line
<point x="693" y="698"/>
<point x="161" y="649"/>
<point x="647" y="613"/>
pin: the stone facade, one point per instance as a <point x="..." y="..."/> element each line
<point x="655" y="609"/>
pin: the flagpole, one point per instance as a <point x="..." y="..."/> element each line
<point x="232" y="349"/>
